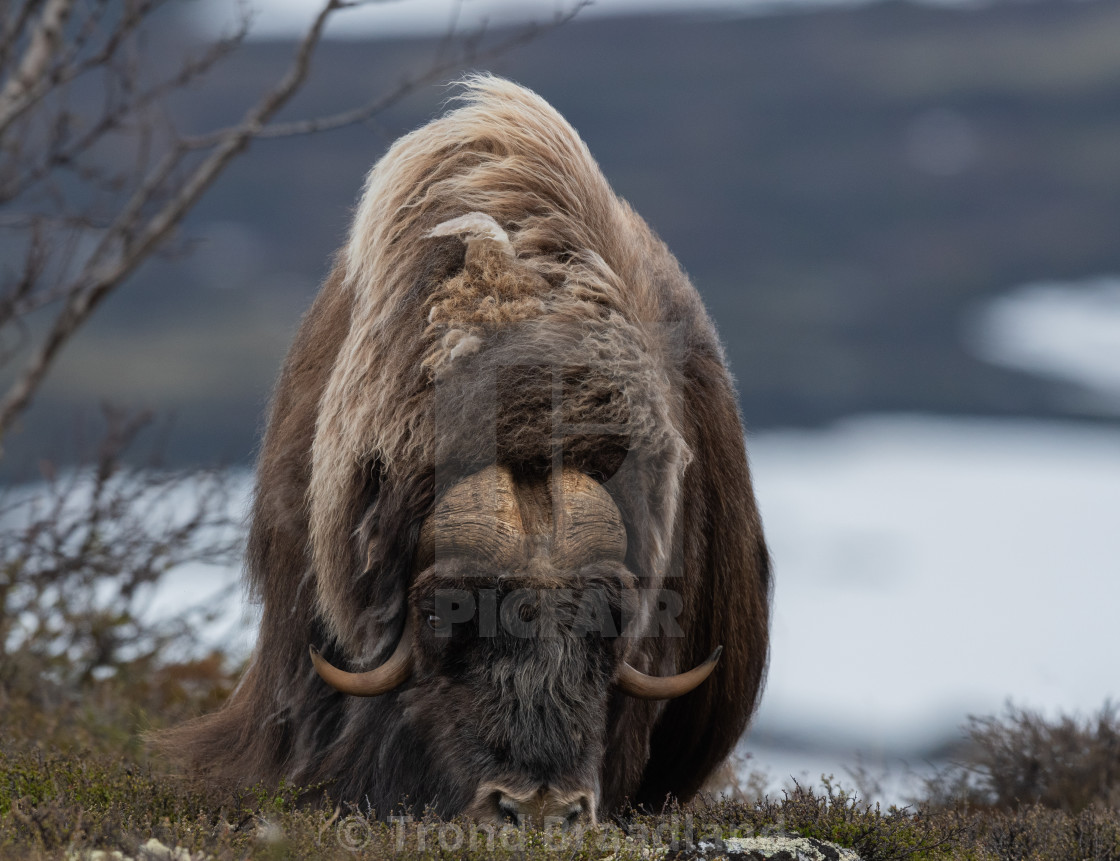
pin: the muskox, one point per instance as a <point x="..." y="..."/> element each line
<point x="503" y="495"/>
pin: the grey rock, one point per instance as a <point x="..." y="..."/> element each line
<point x="762" y="848"/>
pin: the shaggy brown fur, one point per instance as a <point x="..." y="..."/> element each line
<point x="562" y="331"/>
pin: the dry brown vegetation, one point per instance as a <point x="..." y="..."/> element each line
<point x="1070" y="764"/>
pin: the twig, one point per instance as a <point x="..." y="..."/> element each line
<point x="102" y="279"/>
<point x="408" y="86"/>
<point x="18" y="91"/>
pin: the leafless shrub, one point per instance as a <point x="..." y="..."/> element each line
<point x="79" y="555"/>
<point x="1021" y="758"/>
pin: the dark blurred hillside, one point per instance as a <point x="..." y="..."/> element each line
<point x="845" y="188"/>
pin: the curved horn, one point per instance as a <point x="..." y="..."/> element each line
<point x="377" y="681"/>
<point x="472" y="227"/>
<point x="638" y="684"/>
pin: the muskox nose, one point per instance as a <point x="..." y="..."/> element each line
<point x="545" y="808"/>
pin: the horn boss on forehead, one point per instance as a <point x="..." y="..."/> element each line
<point x="488" y="516"/>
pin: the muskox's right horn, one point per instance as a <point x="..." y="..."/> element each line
<point x="389" y="675"/>
<point x="645" y="687"/>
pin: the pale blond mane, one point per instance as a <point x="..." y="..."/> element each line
<point x="504" y="157"/>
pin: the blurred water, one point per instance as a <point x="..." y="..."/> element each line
<point x="1066" y="331"/>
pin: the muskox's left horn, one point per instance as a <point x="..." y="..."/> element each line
<point x="389" y="675"/>
<point x="638" y="684"/>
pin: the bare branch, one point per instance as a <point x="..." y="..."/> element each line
<point x="134" y="248"/>
<point x="114" y="116"/>
<point x="435" y="72"/>
<point x="14" y="301"/>
<point x="105" y="216"/>
<point x="64" y="70"/>
<point x="18" y="91"/>
<point x="15" y="27"/>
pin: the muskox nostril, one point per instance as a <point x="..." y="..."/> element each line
<point x="569" y="820"/>
<point x="509" y="811"/>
